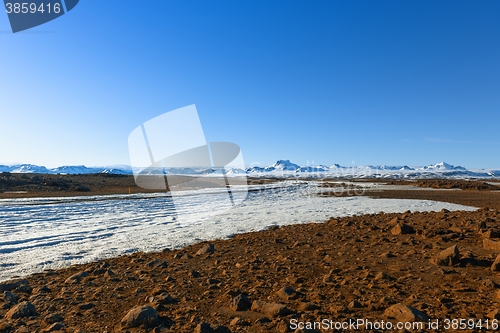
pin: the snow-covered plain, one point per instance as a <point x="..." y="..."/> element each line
<point x="48" y="233"/>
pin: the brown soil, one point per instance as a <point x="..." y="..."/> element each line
<point x="473" y="185"/>
<point x="14" y="185"/>
<point x="348" y="268"/>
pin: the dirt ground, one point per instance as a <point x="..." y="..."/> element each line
<point x="15" y="185"/>
<point x="413" y="268"/>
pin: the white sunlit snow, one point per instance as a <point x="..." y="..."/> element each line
<point x="48" y="233"/>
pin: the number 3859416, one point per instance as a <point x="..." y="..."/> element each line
<point x="32" y="8"/>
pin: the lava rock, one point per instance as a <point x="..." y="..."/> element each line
<point x="140" y="316"/>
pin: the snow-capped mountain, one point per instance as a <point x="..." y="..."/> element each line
<point x="23" y="168"/>
<point x="282" y="165"/>
<point x="444" y="166"/>
<point x="66" y="169"/>
<point x="282" y="168"/>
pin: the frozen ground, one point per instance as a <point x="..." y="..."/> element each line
<point x="48" y="233"/>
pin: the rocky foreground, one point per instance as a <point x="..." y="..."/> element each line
<point x="411" y="267"/>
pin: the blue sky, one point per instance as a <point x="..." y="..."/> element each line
<point x="363" y="82"/>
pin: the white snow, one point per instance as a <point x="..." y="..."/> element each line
<point x="48" y="233"/>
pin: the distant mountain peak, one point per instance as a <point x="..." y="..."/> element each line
<point x="444" y="166"/>
<point x="281" y="168"/>
<point x="283" y="165"/>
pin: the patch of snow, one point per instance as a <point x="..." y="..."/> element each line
<point x="43" y="233"/>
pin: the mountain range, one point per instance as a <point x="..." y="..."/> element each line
<point x="283" y="168"/>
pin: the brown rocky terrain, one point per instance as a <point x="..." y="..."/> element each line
<point x="450" y="184"/>
<point x="406" y="267"/>
<point x="16" y="185"/>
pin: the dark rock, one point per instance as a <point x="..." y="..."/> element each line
<point x="55" y="327"/>
<point x="355" y="305"/>
<point x="144" y="316"/>
<point x="402" y="229"/>
<point x="195" y="274"/>
<point x="158" y="263"/>
<point x="205" y="249"/>
<point x="86" y="306"/>
<point x="240" y="303"/>
<point x="53" y="318"/>
<point x="287" y="293"/>
<point x="22" y="310"/>
<point x="404" y="313"/>
<point x="448" y="257"/>
<point x="203" y="328"/>
<point x="12" y="284"/>
<point x="10" y="297"/>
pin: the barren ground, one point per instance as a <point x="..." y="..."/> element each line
<point x="347" y="268"/>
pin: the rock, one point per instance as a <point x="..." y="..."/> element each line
<point x="86" y="306"/>
<point x="404" y="313"/>
<point x="382" y="276"/>
<point x="294" y="280"/>
<point x="328" y="278"/>
<point x="394" y="221"/>
<point x="82" y="188"/>
<point x="270" y="309"/>
<point x="22" y="310"/>
<point x="308" y="307"/>
<point x="355" y="305"/>
<point x="10" y="297"/>
<point x="43" y="289"/>
<point x="402" y="229"/>
<point x="162" y="299"/>
<point x="496" y="264"/>
<point x="287" y="293"/>
<point x="53" y="318"/>
<point x="448" y="257"/>
<point x="109" y="274"/>
<point x="140" y="316"/>
<point x="495" y="314"/>
<point x="203" y="328"/>
<point x="158" y="263"/>
<point x="165" y="298"/>
<point x="12" y="284"/>
<point x="222" y="329"/>
<point x="491" y="245"/>
<point x="237" y="321"/>
<point x="263" y="321"/>
<point x="75" y="278"/>
<point x="195" y="274"/>
<point x="491" y="234"/>
<point x="55" y="327"/>
<point x="240" y="303"/>
<point x="213" y="281"/>
<point x="205" y="249"/>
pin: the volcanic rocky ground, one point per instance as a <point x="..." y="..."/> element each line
<point x="394" y="267"/>
<point x="16" y="185"/>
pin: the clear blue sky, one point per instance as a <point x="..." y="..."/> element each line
<point x="363" y="82"/>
